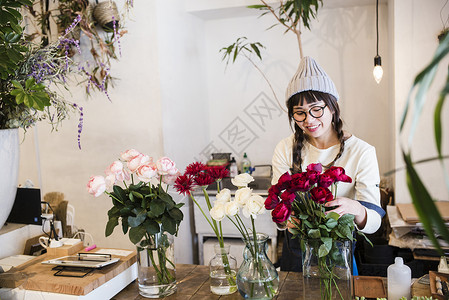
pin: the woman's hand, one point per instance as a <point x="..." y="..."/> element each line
<point x="292" y="221"/>
<point x="345" y="205"/>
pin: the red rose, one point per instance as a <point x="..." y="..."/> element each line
<point x="300" y="182"/>
<point x="338" y="174"/>
<point x="315" y="167"/>
<point x="312" y="176"/>
<point x="274" y="189"/>
<point x="321" y="195"/>
<point x="288" y="197"/>
<point x="284" y="181"/>
<point x="281" y="213"/>
<point x="325" y="180"/>
<point x="272" y="201"/>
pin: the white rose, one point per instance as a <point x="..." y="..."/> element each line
<point x="165" y="166"/>
<point x="242" y="195"/>
<point x="231" y="208"/>
<point x="254" y="206"/>
<point x="217" y="212"/>
<point x="242" y="180"/>
<point x="224" y="195"/>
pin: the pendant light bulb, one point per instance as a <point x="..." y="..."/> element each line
<point x="378" y="72"/>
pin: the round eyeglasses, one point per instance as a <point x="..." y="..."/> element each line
<point x="316" y="112"/>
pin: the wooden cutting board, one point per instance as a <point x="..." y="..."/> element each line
<point x="40" y="277"/>
<point x="409" y="214"/>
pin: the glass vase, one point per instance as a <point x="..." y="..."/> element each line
<point x="156" y="265"/>
<point x="223" y="269"/>
<point x="257" y="277"/>
<point x="328" y="275"/>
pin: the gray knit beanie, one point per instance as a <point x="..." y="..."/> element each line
<point x="310" y="77"/>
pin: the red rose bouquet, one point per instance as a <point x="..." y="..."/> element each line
<point x="301" y="198"/>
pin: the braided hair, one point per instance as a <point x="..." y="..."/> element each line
<point x="298" y="142"/>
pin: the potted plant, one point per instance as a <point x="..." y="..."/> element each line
<point x="27" y="71"/>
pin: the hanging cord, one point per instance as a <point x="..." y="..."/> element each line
<point x="377" y="27"/>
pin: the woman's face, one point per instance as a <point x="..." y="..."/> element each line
<point x="317" y="119"/>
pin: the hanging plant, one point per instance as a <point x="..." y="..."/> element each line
<point x="102" y="27"/>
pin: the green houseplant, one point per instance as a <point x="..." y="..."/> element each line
<point x="420" y="194"/>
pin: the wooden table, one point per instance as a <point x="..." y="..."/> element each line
<point x="193" y="283"/>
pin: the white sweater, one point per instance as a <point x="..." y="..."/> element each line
<point x="359" y="161"/>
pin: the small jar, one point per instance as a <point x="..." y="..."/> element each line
<point x="223" y="270"/>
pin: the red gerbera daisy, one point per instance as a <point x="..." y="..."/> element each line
<point x="195" y="168"/>
<point x="184" y="184"/>
<point x="218" y="172"/>
<point x="203" y="179"/>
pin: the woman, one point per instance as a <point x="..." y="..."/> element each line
<point x="318" y="137"/>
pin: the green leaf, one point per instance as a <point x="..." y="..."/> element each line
<point x="345" y="231"/>
<point x="346" y="219"/>
<point x="17" y="84"/>
<point x="168" y="224"/>
<point x="314" y="233"/>
<point x="27" y="100"/>
<point x="333" y="215"/>
<point x="141" y="215"/>
<point x="30" y="82"/>
<point x="20" y="97"/>
<point x="168" y="200"/>
<point x="125" y="225"/>
<point x="152" y="226"/>
<point x="136" y="234"/>
<point x="38" y="87"/>
<point x="331" y="223"/>
<point x="157" y="207"/>
<point x="111" y="225"/>
<point x="322" y="251"/>
<point x="114" y="212"/>
<point x="136" y="194"/>
<point x="176" y="214"/>
<point x="120" y="193"/>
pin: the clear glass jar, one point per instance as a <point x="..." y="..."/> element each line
<point x="257" y="277"/>
<point x="223" y="269"/>
<point x="156" y="265"/>
<point x="330" y="274"/>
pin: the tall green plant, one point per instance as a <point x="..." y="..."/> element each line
<point x="421" y="196"/>
<point x="290" y="13"/>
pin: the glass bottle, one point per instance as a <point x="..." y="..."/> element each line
<point x="257" y="277"/>
<point x="223" y="269"/>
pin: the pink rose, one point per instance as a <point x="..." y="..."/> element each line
<point x="116" y="169"/>
<point x="281" y="213"/>
<point x="170" y="179"/>
<point x="146" y="172"/>
<point x="129" y="154"/>
<point x="166" y="166"/>
<point x="138" y="161"/>
<point x="96" y="185"/>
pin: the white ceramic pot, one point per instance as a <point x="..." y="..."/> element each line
<point x="9" y="171"/>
